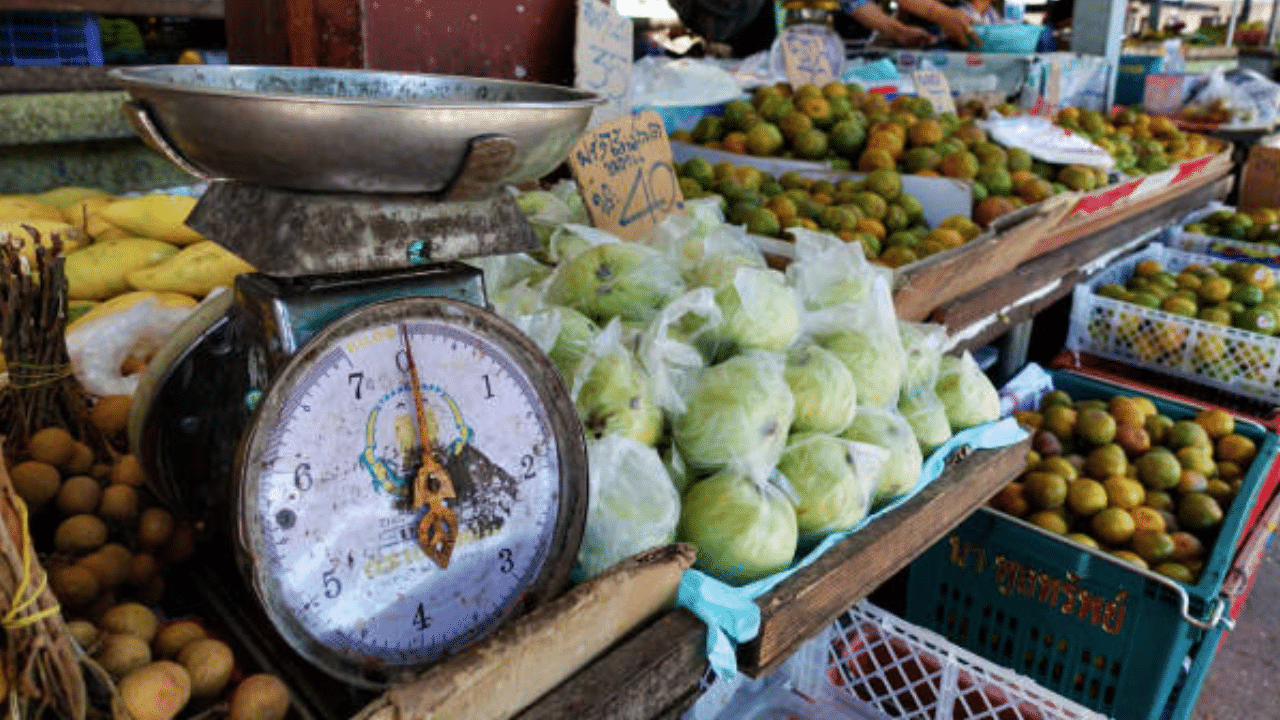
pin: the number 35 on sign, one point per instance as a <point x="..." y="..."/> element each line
<point x="624" y="171"/>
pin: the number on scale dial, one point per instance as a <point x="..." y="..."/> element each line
<point x="325" y="507"/>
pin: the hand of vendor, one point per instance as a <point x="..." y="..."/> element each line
<point x="952" y="22"/>
<point x="909" y="36"/>
<point x="956" y="26"/>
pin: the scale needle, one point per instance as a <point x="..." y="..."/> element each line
<point x="438" y="528"/>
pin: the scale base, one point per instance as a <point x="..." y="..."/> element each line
<point x="286" y="233"/>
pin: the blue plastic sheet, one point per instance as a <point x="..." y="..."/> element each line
<point x="731" y="614"/>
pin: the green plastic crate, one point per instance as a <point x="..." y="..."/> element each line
<point x="1080" y="622"/>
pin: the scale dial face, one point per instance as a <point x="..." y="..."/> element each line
<point x="326" y="526"/>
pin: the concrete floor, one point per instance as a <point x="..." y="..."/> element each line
<point x="1245" y="675"/>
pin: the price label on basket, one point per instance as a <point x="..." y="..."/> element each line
<point x="602" y="58"/>
<point x="626" y="174"/>
<point x="807" y="57"/>
<point x="933" y="86"/>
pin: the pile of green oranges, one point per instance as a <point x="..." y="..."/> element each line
<point x="1120" y="476"/>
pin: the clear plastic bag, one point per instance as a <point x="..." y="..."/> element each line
<point x="101" y="347"/>
<point x="1247" y="96"/>
<point x="743" y="528"/>
<point x="759" y="312"/>
<point x="828" y="272"/>
<point x="886" y="428"/>
<point x="865" y="338"/>
<point x="708" y="251"/>
<point x="919" y="404"/>
<point x="923" y="344"/>
<point x="826" y="396"/>
<point x="503" y="271"/>
<point x="616" y="279"/>
<point x="633" y="505"/>
<point x="966" y="392"/>
<point x="613" y="393"/>
<point x="833" y="480"/>
<point x="738" y="416"/>
<point x="564" y="334"/>
<point x="927" y="416"/>
<point x="668" y="346"/>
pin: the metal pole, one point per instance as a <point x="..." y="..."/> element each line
<point x="1153" y="13"/>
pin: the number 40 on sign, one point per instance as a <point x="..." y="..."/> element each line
<point x="625" y="173"/>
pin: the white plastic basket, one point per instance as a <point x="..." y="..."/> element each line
<point x="1237" y="361"/>
<point x="895" y="669"/>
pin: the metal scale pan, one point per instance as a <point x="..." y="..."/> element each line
<point x="341" y="131"/>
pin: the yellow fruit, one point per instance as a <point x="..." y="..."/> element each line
<point x="1113" y="526"/>
<point x="1154" y="546"/>
<point x="1145" y="518"/>
<point x="87" y="215"/>
<point x="1045" y="490"/>
<point x="123" y="302"/>
<point x="1124" y="493"/>
<point x="162" y="217"/>
<point x="69" y="238"/>
<point x="1086" y="496"/>
<point x="1049" y="520"/>
<point x="97" y="272"/>
<point x="196" y="270"/>
<point x="1186" y="546"/>
<point x="1011" y="499"/>
<point x="1083" y="539"/>
<point x="64" y="197"/>
<point x="1177" y="571"/>
<point x="1236" y="448"/>
<point x="1131" y="557"/>
<point x="26" y="209"/>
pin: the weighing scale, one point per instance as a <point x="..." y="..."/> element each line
<point x="398" y="469"/>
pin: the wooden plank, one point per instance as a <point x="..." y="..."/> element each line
<point x="919" y="288"/>
<point x="499" y="676"/>
<point x="164" y="8"/>
<point x="657" y="670"/>
<point x="73" y="78"/>
<point x="1063" y="265"/>
<point x="815" y="596"/>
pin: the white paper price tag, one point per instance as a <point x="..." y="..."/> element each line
<point x="933" y="86"/>
<point x="602" y="58"/>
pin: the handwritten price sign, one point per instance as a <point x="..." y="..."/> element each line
<point x="602" y="58"/>
<point x="933" y="86"/>
<point x="808" y="56"/>
<point x="624" y="170"/>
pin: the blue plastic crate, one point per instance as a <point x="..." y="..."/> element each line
<point x="49" y="39"/>
<point x="1081" y="623"/>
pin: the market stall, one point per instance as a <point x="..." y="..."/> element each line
<point x="625" y="410"/>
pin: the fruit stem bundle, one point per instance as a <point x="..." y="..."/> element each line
<point x="41" y="391"/>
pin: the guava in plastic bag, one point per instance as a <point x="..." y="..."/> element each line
<point x="832" y="479"/>
<point x="886" y="428"/>
<point x="737" y="417"/>
<point x="828" y="272"/>
<point x="966" y="392"/>
<point x="620" y="279"/>
<point x="923" y="344"/>
<point x="710" y="252"/>
<point x="760" y="312"/>
<point x="612" y="391"/>
<point x="826" y="397"/>
<point x="504" y="271"/>
<point x="865" y="338"/>
<point x="927" y="417"/>
<point x="632" y="507"/>
<point x="668" y="346"/>
<point x="744" y="529"/>
<point x="519" y="299"/>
